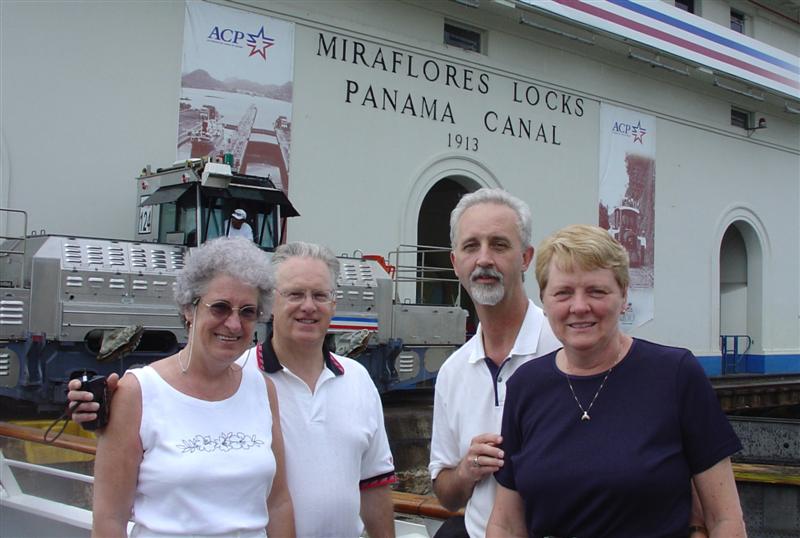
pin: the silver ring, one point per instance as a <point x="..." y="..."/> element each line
<point x="475" y="462"/>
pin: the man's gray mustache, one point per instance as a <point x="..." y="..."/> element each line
<point x="491" y="273"/>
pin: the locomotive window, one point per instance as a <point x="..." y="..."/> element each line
<point x="218" y="214"/>
<point x="261" y="217"/>
<point x="265" y="231"/>
<point x="167" y="221"/>
<point x="216" y="223"/>
<point x="215" y="213"/>
<point x="174" y="218"/>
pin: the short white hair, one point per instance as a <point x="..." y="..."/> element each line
<point x="494" y="196"/>
<point x="300" y="249"/>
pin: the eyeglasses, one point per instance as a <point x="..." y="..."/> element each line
<point x="222" y="310"/>
<point x="298" y="296"/>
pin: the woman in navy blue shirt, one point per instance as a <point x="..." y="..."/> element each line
<point x="605" y="436"/>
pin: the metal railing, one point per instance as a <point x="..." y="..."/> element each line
<point x="734" y="360"/>
<point x="413" y="271"/>
<point x="14" y="497"/>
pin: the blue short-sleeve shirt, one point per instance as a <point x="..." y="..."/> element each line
<point x="626" y="472"/>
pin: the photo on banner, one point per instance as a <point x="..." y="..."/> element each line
<point x="236" y="90"/>
<point x="627" y="200"/>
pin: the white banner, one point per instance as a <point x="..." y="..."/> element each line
<point x="627" y="200"/>
<point x="236" y="90"/>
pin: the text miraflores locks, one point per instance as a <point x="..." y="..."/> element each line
<point x="437" y="72"/>
<point x="401" y="63"/>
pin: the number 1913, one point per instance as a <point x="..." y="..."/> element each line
<point x="467" y="143"/>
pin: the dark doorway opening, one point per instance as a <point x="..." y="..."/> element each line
<point x="433" y="230"/>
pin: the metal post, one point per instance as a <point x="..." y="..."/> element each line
<point x="23" y="242"/>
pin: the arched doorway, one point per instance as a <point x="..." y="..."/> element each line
<point x="740" y="296"/>
<point x="431" y="197"/>
<point x="433" y="230"/>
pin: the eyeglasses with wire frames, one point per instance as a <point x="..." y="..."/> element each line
<point x="223" y="310"/>
<point x="298" y="296"/>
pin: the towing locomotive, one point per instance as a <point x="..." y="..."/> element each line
<point x="71" y="306"/>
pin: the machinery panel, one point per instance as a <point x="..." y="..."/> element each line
<point x="9" y="367"/>
<point x="430" y="325"/>
<point x="14" y="313"/>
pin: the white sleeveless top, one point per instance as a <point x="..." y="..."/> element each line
<point x="207" y="467"/>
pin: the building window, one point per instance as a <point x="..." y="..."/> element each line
<point x="686" y="5"/>
<point x="740" y="118"/>
<point x="461" y="37"/>
<point x="737" y="21"/>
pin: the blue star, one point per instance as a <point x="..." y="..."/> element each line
<point x="255" y="47"/>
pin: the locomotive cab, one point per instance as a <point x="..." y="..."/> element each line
<point x="174" y="203"/>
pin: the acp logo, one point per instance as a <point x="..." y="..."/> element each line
<point x="258" y="42"/>
<point x="628" y="129"/>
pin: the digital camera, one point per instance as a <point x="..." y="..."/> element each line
<point x="99" y="388"/>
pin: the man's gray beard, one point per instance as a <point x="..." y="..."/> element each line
<point x="487" y="294"/>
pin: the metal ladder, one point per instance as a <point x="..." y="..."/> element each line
<point x="734" y="360"/>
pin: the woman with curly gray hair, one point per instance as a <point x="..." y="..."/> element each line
<point x="236" y="257"/>
<point x="194" y="445"/>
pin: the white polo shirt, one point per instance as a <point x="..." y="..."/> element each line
<point x="469" y="399"/>
<point x="335" y="442"/>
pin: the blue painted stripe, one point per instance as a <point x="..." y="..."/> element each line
<point x="711" y="365"/>
<point x="711" y="36"/>
<point x="755" y="364"/>
<point x="773" y="364"/>
<point x="358" y="320"/>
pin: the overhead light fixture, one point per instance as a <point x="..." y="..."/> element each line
<point x="791" y="109"/>
<point x="523" y="20"/>
<point x="745" y="93"/>
<point x="469" y="3"/>
<point x="655" y="62"/>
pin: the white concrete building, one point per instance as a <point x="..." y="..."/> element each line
<point x="393" y="118"/>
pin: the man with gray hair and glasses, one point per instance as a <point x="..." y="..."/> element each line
<point x="490" y="235"/>
<point x="338" y="462"/>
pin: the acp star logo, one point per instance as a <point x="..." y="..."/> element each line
<point x="630" y="130"/>
<point x="259" y="43"/>
<point x="638" y="133"/>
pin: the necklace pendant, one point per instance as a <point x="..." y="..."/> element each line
<point x="585" y="416"/>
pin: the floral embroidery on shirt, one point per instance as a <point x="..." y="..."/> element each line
<point x="224" y="442"/>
